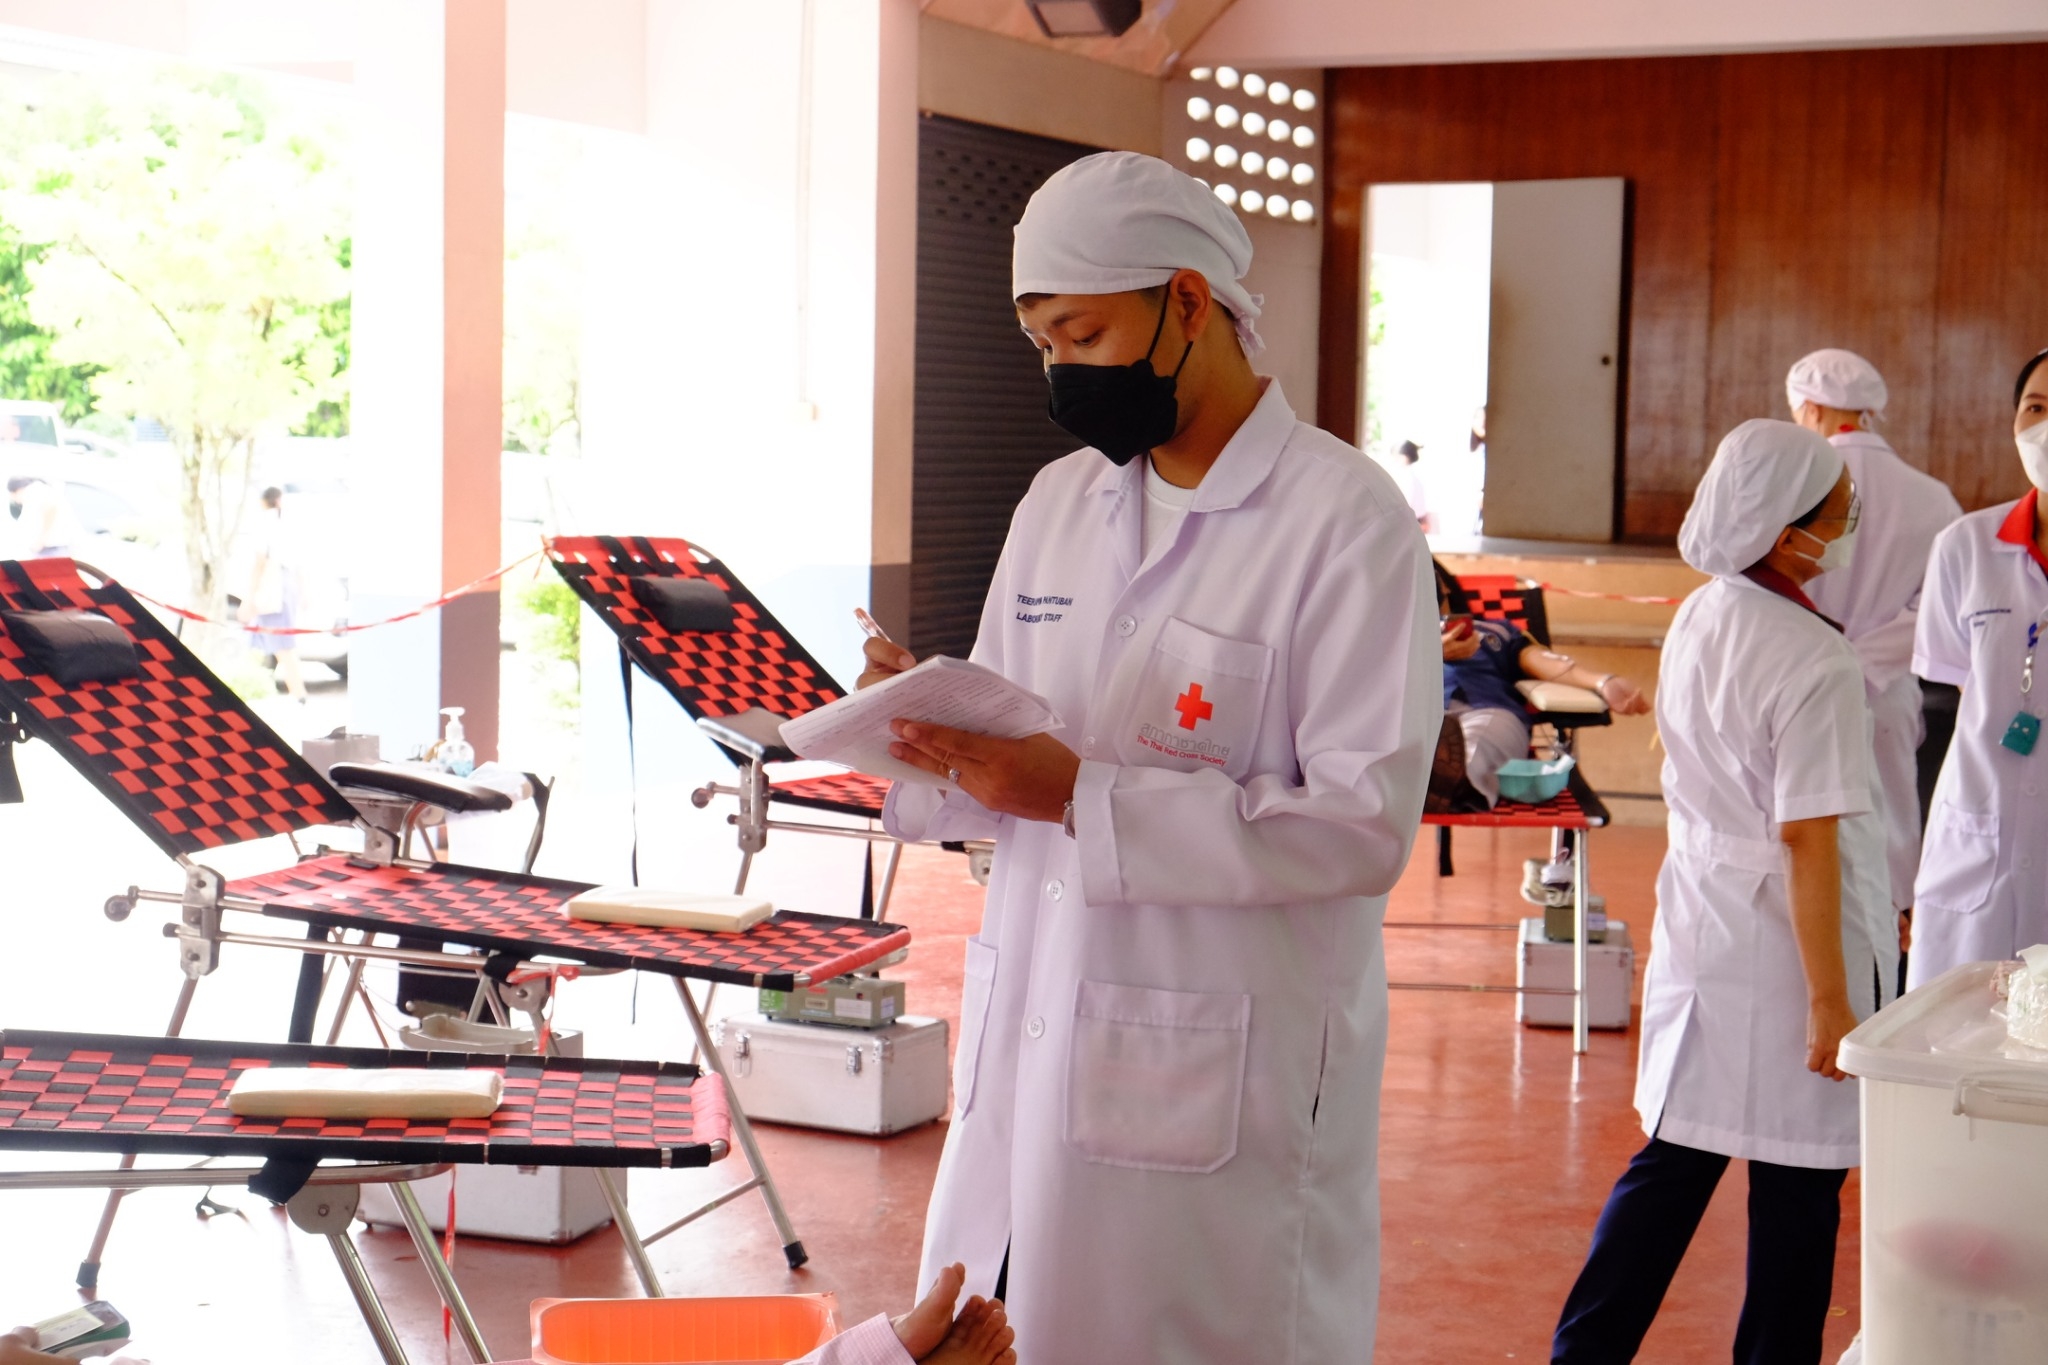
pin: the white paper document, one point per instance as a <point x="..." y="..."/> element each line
<point x="940" y="691"/>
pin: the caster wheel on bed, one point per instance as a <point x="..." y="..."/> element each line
<point x="119" y="908"/>
<point x="796" y="1254"/>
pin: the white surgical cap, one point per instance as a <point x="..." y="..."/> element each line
<point x="1119" y="221"/>
<point x="1765" y="476"/>
<point x="1836" y="379"/>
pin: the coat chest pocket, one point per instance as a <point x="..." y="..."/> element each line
<point x="1155" y="1079"/>
<point x="977" y="985"/>
<point x="1958" y="861"/>
<point x="1197" y="703"/>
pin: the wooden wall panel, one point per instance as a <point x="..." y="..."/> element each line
<point x="1993" y="308"/>
<point x="1827" y="228"/>
<point x="1894" y="201"/>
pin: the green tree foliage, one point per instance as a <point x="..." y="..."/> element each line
<point x="26" y="370"/>
<point x="329" y="416"/>
<point x="191" y="240"/>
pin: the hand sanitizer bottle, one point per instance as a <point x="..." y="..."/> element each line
<point x="455" y="755"/>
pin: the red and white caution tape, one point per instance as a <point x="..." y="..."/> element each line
<point x="350" y="627"/>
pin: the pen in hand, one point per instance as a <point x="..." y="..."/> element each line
<point x="880" y="663"/>
<point x="870" y="626"/>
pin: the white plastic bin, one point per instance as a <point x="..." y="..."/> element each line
<point x="1955" y="1179"/>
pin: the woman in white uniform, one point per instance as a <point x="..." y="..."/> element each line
<point x="1983" y="889"/>
<point x="1773" y="934"/>
<point x="1167" y="1083"/>
<point x="1840" y="395"/>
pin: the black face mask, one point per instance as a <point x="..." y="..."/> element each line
<point x="1121" y="410"/>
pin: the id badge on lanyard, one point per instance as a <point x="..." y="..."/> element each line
<point x="2024" y="731"/>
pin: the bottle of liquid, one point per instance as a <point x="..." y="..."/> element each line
<point x="454" y="754"/>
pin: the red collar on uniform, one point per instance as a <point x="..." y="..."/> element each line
<point x="2020" y="525"/>
<point x="1770" y="580"/>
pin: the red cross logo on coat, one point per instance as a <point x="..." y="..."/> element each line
<point x="1193" y="710"/>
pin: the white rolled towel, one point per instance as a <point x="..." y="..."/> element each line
<point x="290" y="1092"/>
<point x="658" y="909"/>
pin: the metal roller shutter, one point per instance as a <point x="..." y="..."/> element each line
<point x="980" y="430"/>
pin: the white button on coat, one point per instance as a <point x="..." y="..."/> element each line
<point x="1877" y="599"/>
<point x="1263" y="739"/>
<point x="1971" y="904"/>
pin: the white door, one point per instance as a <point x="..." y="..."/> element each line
<point x="1554" y="359"/>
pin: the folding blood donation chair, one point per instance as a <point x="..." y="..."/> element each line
<point x="74" y="1093"/>
<point x="696" y="630"/>
<point x="185" y="760"/>
<point x="1569" y="815"/>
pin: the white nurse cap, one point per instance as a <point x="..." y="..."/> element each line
<point x="1119" y="221"/>
<point x="1836" y="378"/>
<point x="1765" y="476"/>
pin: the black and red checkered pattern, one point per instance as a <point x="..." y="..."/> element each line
<point x="848" y="793"/>
<point x="174" y="749"/>
<point x="1503" y="597"/>
<point x="1576" y="807"/>
<point x="712" y="673"/>
<point x="109" y="1093"/>
<point x="505" y="912"/>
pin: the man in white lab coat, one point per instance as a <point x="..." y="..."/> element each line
<point x="1174" y="1018"/>
<point x="1840" y="395"/>
<point x="1773" y="935"/>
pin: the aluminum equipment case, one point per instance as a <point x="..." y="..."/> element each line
<point x="871" y="1081"/>
<point x="550" y="1204"/>
<point x="1610" y="978"/>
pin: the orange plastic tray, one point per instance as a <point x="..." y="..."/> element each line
<point x="771" y="1328"/>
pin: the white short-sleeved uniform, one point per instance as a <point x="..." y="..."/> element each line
<point x="1763" y="717"/>
<point x="1172" y="1025"/>
<point x="1876" y="599"/>
<point x="1982" y="894"/>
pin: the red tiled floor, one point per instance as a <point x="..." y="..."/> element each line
<point x="1497" y="1149"/>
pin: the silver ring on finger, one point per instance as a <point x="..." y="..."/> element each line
<point x="953" y="776"/>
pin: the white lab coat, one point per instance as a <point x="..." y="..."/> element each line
<point x="1877" y="599"/>
<point x="1983" y="889"/>
<point x="1763" y="719"/>
<point x="1168" y="1077"/>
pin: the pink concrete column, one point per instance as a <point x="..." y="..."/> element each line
<point x="472" y="355"/>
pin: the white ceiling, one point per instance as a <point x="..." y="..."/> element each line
<point x="1403" y="32"/>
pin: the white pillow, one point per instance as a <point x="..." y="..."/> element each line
<point x="290" y="1092"/>
<point x="658" y="909"/>
<point x="1561" y="697"/>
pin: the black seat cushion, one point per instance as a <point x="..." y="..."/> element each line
<point x="685" y="604"/>
<point x="74" y="646"/>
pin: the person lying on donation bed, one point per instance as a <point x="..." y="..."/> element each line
<point x="1483" y="660"/>
<point x="930" y="1333"/>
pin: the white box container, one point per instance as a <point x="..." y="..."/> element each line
<point x="872" y="1081"/>
<point x="551" y="1204"/>
<point x="1610" y="978"/>
<point x="1955" y="1179"/>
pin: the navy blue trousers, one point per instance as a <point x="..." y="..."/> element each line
<point x="1656" y="1206"/>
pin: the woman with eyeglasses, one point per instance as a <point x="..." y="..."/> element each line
<point x="1774" y="933"/>
<point x="1982" y="893"/>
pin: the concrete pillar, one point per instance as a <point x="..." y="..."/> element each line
<point x="428" y="352"/>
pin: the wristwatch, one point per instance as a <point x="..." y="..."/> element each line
<point x="1067" y="820"/>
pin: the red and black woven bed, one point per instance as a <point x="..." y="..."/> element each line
<point x="174" y="750"/>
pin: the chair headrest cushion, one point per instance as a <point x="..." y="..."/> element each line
<point x="74" y="647"/>
<point x="685" y="604"/>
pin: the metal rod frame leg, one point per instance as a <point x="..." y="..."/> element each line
<point x="348" y="997"/>
<point x="89" y="1268"/>
<point x="1580" y="896"/>
<point x="365" y="1293"/>
<point x="888" y="881"/>
<point x="629" y="1233"/>
<point x="743" y="1132"/>
<point x="438" y="1267"/>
